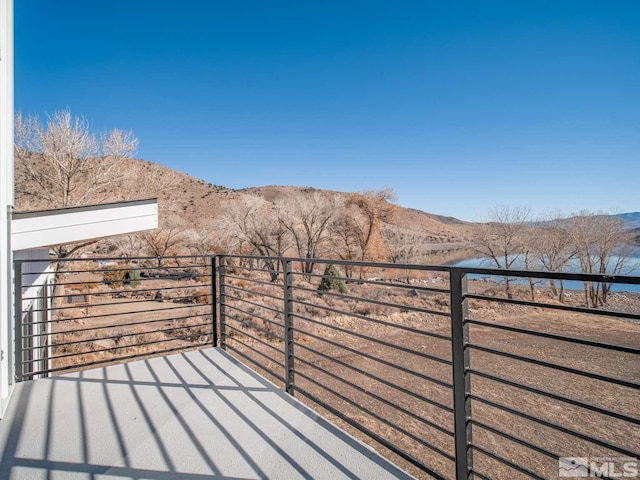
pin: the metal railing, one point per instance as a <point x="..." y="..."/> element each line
<point x="440" y="368"/>
<point x="435" y="366"/>
<point x="82" y="313"/>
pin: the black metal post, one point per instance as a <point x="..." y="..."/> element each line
<point x="221" y="310"/>
<point x="288" y="328"/>
<point x="214" y="303"/>
<point x="18" y="354"/>
<point x="461" y="380"/>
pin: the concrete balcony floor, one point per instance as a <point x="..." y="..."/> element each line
<point x="194" y="415"/>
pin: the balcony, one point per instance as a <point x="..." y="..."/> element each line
<point x="193" y="415"/>
<point x="139" y="368"/>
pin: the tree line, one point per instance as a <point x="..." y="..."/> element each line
<point x="585" y="242"/>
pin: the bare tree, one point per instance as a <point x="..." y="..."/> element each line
<point x="129" y="244"/>
<point x="501" y="240"/>
<point x="63" y="163"/>
<point x="602" y="246"/>
<point x="552" y="246"/>
<point x="202" y="240"/>
<point x="405" y="246"/>
<point x="345" y="232"/>
<point x="255" y="223"/>
<point x="164" y="241"/>
<point x="308" y="219"/>
<point x="374" y="207"/>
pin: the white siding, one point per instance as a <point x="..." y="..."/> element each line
<point x="6" y="197"/>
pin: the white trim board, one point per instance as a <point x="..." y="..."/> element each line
<point x="71" y="225"/>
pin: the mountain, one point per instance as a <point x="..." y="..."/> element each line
<point x="631" y="219"/>
<point x="436" y="228"/>
<point x="194" y="204"/>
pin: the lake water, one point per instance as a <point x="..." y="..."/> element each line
<point x="632" y="270"/>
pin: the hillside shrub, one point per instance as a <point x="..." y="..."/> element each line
<point x="114" y="277"/>
<point x="117" y="277"/>
<point x="132" y="277"/>
<point x="202" y="296"/>
<point x="328" y="283"/>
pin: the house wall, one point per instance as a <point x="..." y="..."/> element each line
<point x="6" y="197"/>
<point x="36" y="279"/>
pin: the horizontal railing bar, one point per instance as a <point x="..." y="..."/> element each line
<point x="100" y="272"/>
<point x="376" y="359"/>
<point x="127" y="302"/>
<point x="374" y="340"/>
<point x="390" y="283"/>
<point x="552" y="425"/>
<point x="582" y="277"/>
<point x="249" y="359"/>
<point x="508" y="463"/>
<point x="514" y="439"/>
<point x="260" y="317"/>
<point x="394" y="266"/>
<point x="251" y="280"/>
<point x="510" y="437"/>
<point x="577" y="341"/>
<point x="255" y="350"/>
<point x="586" y="277"/>
<point x="375" y="396"/>
<point x="62" y="320"/>
<point x="120" y="259"/>
<point x="255" y="304"/>
<point x="133" y="267"/>
<point x="407" y="286"/>
<point x="385" y="443"/>
<point x="116" y="359"/>
<point x="251" y="292"/>
<point x="375" y="320"/>
<point x="498" y="272"/>
<point x="254" y="337"/>
<point x="256" y="269"/>
<point x="378" y="417"/>
<point x="111" y="337"/>
<point x="480" y="476"/>
<point x="112" y="325"/>
<point x="123" y="281"/>
<point x="554" y="396"/>
<point x="566" y="308"/>
<point x="174" y="339"/>
<point x="115" y="292"/>
<point x="106" y="315"/>
<point x="248" y="323"/>
<point x="561" y="368"/>
<point x="378" y="379"/>
<point x="399" y="306"/>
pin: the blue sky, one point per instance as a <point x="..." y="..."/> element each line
<point x="456" y="105"/>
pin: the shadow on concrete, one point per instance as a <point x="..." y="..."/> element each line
<point x="194" y="415"/>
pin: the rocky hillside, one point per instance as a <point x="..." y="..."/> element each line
<point x="435" y="228"/>
<point x="195" y="204"/>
